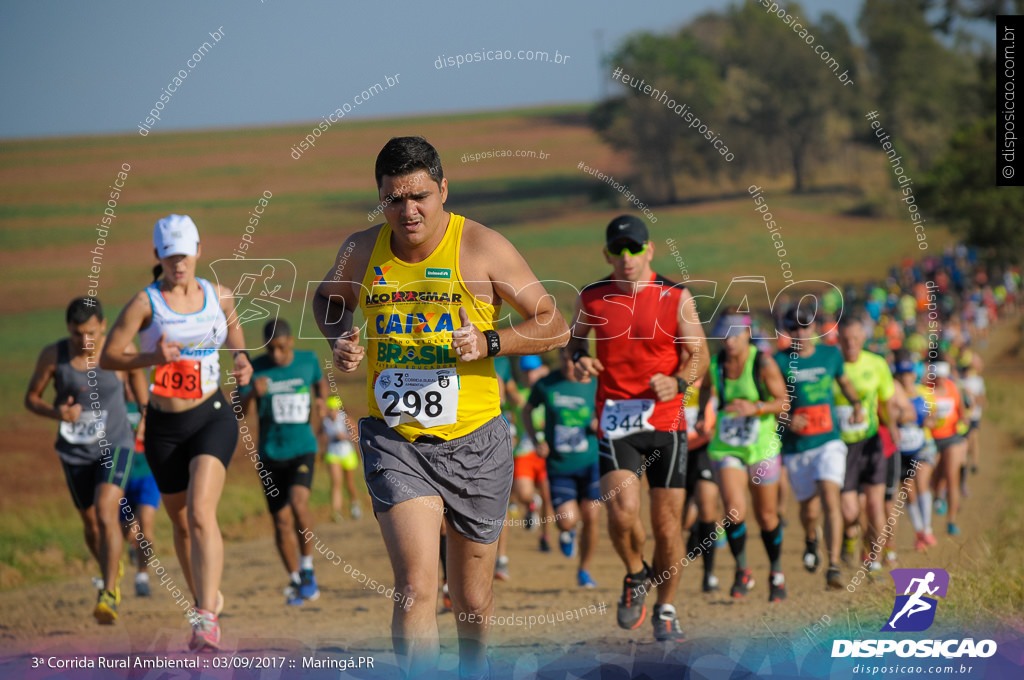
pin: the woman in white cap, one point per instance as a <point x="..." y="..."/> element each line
<point x="191" y="432"/>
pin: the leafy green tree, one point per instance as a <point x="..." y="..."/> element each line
<point x="962" y="191"/>
<point x="787" y="100"/>
<point x="642" y="124"/>
<point x="924" y="89"/>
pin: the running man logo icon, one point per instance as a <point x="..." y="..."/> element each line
<point x="914" y="610"/>
<point x="263" y="287"/>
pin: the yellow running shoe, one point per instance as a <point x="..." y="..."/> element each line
<point x="106" y="607"/>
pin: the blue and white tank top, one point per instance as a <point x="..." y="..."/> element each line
<point x="200" y="334"/>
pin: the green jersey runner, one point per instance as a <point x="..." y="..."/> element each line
<point x="871" y="378"/>
<point x="745" y="437"/>
<point x="284" y="411"/>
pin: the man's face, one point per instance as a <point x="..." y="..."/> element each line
<point x="803" y="334"/>
<point x="86" y="335"/>
<point x="851" y="340"/>
<point x="907" y="381"/>
<point x="413" y="205"/>
<point x="280" y="350"/>
<point x="630" y="261"/>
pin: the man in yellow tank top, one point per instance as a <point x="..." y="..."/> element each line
<point x="430" y="285"/>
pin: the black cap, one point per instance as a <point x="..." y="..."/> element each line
<point x="798" y="317"/>
<point x="626" y="228"/>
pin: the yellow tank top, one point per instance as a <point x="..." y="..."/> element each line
<point x="417" y="384"/>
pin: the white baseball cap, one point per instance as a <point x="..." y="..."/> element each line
<point x="175" y="235"/>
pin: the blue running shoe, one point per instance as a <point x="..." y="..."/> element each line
<point x="291" y="594"/>
<point x="940" y="506"/>
<point x="953" y="530"/>
<point x="584" y="581"/>
<point x="567" y="542"/>
<point x="308" y="589"/>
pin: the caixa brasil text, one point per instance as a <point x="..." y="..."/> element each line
<point x="948" y="649"/>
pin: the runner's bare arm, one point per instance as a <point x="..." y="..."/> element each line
<point x="137" y="381"/>
<point x="703" y="397"/>
<point x="531" y="432"/>
<point x="46" y="367"/>
<point x="587" y="366"/>
<point x="116" y="356"/>
<point x="320" y="389"/>
<point x="850" y="392"/>
<point x="543" y="327"/>
<point x="235" y="341"/>
<point x="337" y="298"/>
<point x="694" y="357"/>
<point x="776" y="385"/>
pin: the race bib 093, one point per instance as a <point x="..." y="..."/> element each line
<point x="182" y="378"/>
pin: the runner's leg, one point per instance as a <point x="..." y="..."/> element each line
<point x="829" y="493"/>
<point x="111" y="540"/>
<point x="207" y="475"/>
<point x="91" y="532"/>
<point x="624" y="524"/>
<point x="667" y="526"/>
<point x="588" y="535"/>
<point x="287" y="543"/>
<point x="471" y="587"/>
<point x="303" y="517"/>
<point x="334" y="469"/>
<point x="176" y="505"/>
<point x="411" y="532"/>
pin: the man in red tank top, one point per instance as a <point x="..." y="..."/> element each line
<point x="650" y="348"/>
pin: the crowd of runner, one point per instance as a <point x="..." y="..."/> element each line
<point x="840" y="405"/>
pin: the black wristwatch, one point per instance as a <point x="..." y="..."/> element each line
<point x="493" y="343"/>
<point x="242" y="351"/>
<point x="681" y="385"/>
<point x="579" y="354"/>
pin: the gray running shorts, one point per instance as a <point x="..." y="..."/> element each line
<point x="472" y="474"/>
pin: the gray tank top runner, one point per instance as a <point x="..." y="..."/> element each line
<point x="103" y="424"/>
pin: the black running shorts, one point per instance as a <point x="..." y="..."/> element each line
<point x="661" y="454"/>
<point x="174" y="439"/>
<point x="284" y="474"/>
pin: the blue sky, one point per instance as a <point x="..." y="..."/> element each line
<point x="72" y="68"/>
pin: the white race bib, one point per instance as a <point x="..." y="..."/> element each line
<point x="290" y="408"/>
<point x="692" y="413"/>
<point x="427" y="397"/>
<point x="845" y="413"/>
<point x="944" y="407"/>
<point x="739" y="431"/>
<point x="85" y="430"/>
<point x="622" y="418"/>
<point x="570" y="439"/>
<point x="911" y="438"/>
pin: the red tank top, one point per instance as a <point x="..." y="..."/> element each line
<point x="636" y="338"/>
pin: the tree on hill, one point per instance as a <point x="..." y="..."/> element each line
<point x="779" y="89"/>
<point x="635" y="121"/>
<point x="962" y="190"/>
<point x="923" y="89"/>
